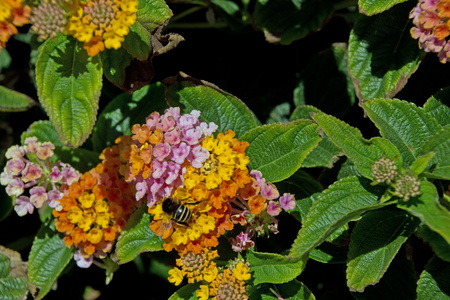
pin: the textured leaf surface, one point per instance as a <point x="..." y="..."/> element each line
<point x="137" y="237"/>
<point x="126" y="110"/>
<point x="375" y="241"/>
<point x="69" y="83"/>
<point x="326" y="153"/>
<point x="399" y="282"/>
<point x="439" y="144"/>
<point x="47" y="259"/>
<point x="152" y="13"/>
<point x="340" y="203"/>
<point x="433" y="282"/>
<point x="403" y="124"/>
<point x="187" y="292"/>
<point x="285" y="21"/>
<point x="138" y="42"/>
<point x="215" y="105"/>
<point x="371" y="7"/>
<point x="278" y="150"/>
<point x="361" y="151"/>
<point x="382" y="53"/>
<point x="11" y="100"/>
<point x="428" y="209"/>
<point x="438" y="106"/>
<point x="274" y="268"/>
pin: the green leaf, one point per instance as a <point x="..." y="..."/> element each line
<point x="382" y="53"/>
<point x="47" y="259"/>
<point x="126" y="110"/>
<point x="402" y="123"/>
<point x="421" y="163"/>
<point x="361" y="151"/>
<point x="292" y="290"/>
<point x="326" y="153"/>
<point x="285" y="21"/>
<point x="114" y="64"/>
<point x="438" y="106"/>
<point x="11" y="100"/>
<point x="433" y="282"/>
<point x="375" y="241"/>
<point x="439" y="143"/>
<point x="137" y="237"/>
<point x="152" y="13"/>
<point x="69" y="83"/>
<point x="81" y="159"/>
<point x="399" y="282"/>
<point x="138" y="42"/>
<point x="6" y="204"/>
<point x="274" y="268"/>
<point x="324" y="82"/>
<point x="13" y="282"/>
<point x="428" y="209"/>
<point x="278" y="150"/>
<point x="342" y="202"/>
<point x="215" y="105"/>
<point x="303" y="112"/>
<point x="187" y="292"/>
<point x="436" y="241"/>
<point x="371" y="7"/>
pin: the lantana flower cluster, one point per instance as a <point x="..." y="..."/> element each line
<point x="13" y="14"/>
<point x="432" y="27"/>
<point x="98" y="24"/>
<point x="95" y="208"/>
<point x="30" y="171"/>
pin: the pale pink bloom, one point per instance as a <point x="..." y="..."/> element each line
<point x="53" y="197"/>
<point x="269" y="191"/>
<point x="161" y="151"/>
<point x="258" y="176"/>
<point x="198" y="156"/>
<point x="23" y="206"/>
<point x="15" y="187"/>
<point x="208" y="129"/>
<point x="287" y="201"/>
<point x="70" y="175"/>
<point x="180" y="152"/>
<point x="38" y="196"/>
<point x="55" y="175"/>
<point x="166" y="123"/>
<point x="31" y="144"/>
<point x="173" y="171"/>
<point x="82" y="261"/>
<point x="192" y="136"/>
<point x="173" y="137"/>
<point x="45" y="150"/>
<point x="241" y="242"/>
<point x="6" y="178"/>
<point x="273" y="208"/>
<point x="152" y="120"/>
<point x="14" y="166"/>
<point x="31" y="172"/>
<point x="15" y="151"/>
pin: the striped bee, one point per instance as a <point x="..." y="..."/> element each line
<point x="175" y="211"/>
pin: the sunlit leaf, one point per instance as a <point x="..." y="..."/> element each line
<point x="11" y="100"/>
<point x="433" y="282"/>
<point x="69" y="83"/>
<point x="371" y="7"/>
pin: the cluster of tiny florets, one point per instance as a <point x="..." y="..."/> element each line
<point x="384" y="170"/>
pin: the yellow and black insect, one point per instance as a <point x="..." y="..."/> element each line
<point x="174" y="210"/>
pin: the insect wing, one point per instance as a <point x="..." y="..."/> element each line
<point x="165" y="229"/>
